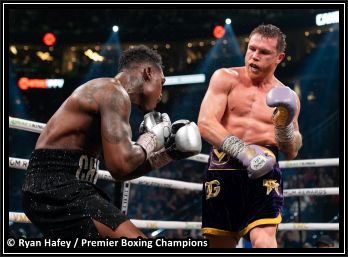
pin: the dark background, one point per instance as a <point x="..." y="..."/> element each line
<point x="311" y="68"/>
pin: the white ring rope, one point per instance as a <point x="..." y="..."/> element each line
<point x="37" y="127"/>
<point x="176" y="184"/>
<point x="103" y="174"/>
<point x="311" y="191"/>
<point x="27" y="125"/>
<point x="160" y="224"/>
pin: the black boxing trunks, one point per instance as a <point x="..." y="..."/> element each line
<point x="232" y="203"/>
<point x="60" y="196"/>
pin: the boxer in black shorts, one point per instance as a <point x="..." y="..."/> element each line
<point x="60" y="195"/>
<point x="245" y="115"/>
<point x="59" y="192"/>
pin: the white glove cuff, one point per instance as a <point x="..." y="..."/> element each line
<point x="232" y="145"/>
<point x="159" y="159"/>
<point x="284" y="135"/>
<point x="148" y="142"/>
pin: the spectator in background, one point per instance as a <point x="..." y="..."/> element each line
<point x="325" y="242"/>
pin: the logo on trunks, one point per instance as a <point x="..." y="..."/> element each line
<point x="221" y="157"/>
<point x="88" y="169"/>
<point x="271" y="184"/>
<point x="212" y="189"/>
<point x="258" y="162"/>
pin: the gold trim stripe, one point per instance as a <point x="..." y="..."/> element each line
<point x="268" y="221"/>
<point x="220" y="232"/>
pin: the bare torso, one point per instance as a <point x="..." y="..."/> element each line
<point x="76" y="124"/>
<point x="247" y="115"/>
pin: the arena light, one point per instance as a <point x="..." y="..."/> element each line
<point x="25" y="83"/>
<point x="228" y="21"/>
<point x="44" y="56"/>
<point x="219" y="31"/>
<point x="185" y="79"/>
<point x="49" y="39"/>
<point x="327" y="18"/>
<point x="13" y="50"/>
<point x="94" y="55"/>
<point x="115" y="28"/>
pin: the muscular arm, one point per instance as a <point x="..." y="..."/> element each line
<point x="213" y="108"/>
<point x="122" y="157"/>
<point x="290" y="149"/>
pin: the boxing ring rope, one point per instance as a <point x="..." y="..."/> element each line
<point x="37" y="127"/>
<point x="176" y="184"/>
<point x="20" y="217"/>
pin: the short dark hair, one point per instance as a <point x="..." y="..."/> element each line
<point x="137" y="55"/>
<point x="271" y="31"/>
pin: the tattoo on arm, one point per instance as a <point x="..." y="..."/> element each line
<point x="87" y="96"/>
<point x="113" y="134"/>
<point x="115" y="120"/>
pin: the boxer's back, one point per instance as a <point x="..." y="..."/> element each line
<point x="247" y="116"/>
<point x="76" y="124"/>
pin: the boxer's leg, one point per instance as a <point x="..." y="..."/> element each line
<point x="126" y="229"/>
<point x="221" y="241"/>
<point x="264" y="236"/>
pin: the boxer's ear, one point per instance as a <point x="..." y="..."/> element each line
<point x="147" y="73"/>
<point x="280" y="57"/>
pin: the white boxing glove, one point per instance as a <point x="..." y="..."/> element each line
<point x="155" y="130"/>
<point x="184" y="141"/>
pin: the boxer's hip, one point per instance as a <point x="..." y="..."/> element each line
<point x="59" y="193"/>
<point x="49" y="168"/>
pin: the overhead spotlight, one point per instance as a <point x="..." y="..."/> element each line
<point x="49" y="39"/>
<point x="228" y="21"/>
<point x="115" y="28"/>
<point x="219" y="31"/>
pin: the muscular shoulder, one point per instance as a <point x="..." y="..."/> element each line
<point x="99" y="92"/>
<point x="225" y="78"/>
<point x="226" y="74"/>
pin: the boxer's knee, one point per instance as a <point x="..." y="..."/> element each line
<point x="264" y="236"/>
<point x="125" y="229"/>
<point x="264" y="242"/>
